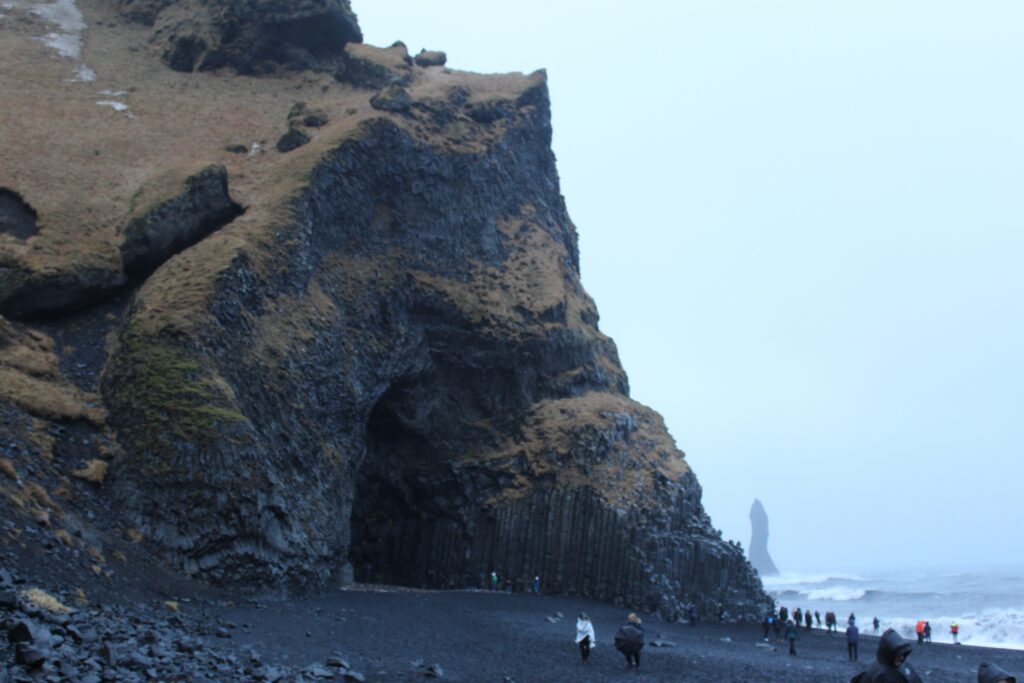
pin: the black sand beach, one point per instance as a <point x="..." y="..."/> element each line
<point x="480" y="636"/>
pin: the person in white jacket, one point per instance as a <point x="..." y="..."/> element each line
<point x="584" y="636"/>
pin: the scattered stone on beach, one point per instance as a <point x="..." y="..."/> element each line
<point x="434" y="671"/>
<point x="338" y="662"/>
<point x="353" y="676"/>
<point x="661" y="642"/>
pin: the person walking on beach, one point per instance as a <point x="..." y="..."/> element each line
<point x="927" y="632"/>
<point x="817" y="618"/>
<point x="852" y="639"/>
<point x="992" y="673"/>
<point x="584" y="635"/>
<point x="875" y="623"/>
<point x="891" y="665"/>
<point x="807" y="619"/>
<point x="792" y="634"/>
<point x="954" y="629"/>
<point x="629" y="640"/>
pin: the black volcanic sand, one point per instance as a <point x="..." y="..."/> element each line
<point x="481" y="636"/>
<point x="397" y="634"/>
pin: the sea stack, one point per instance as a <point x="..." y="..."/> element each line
<point x="759" y="556"/>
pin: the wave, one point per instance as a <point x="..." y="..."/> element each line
<point x="837" y="594"/>
<point x="796" y="579"/>
<point x="989" y="628"/>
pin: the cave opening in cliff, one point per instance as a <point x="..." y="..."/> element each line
<point x="403" y="524"/>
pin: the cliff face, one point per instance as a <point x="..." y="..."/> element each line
<point x="373" y="356"/>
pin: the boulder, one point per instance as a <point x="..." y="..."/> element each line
<point x="374" y="68"/>
<point x="431" y="58"/>
<point x="393" y="99"/>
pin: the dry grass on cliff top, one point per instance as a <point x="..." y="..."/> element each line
<point x="549" y="437"/>
<point x="79" y="163"/>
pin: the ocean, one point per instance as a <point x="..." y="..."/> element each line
<point x="989" y="607"/>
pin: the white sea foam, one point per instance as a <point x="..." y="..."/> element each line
<point x="836" y="594"/>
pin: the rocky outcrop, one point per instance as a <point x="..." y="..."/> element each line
<point x="758" y="552"/>
<point x="17" y="218"/>
<point x="250" y="36"/>
<point x="171" y="214"/>
<point x="404" y="376"/>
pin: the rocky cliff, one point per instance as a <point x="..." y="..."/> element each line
<point x="327" y="326"/>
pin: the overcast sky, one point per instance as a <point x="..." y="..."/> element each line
<point x="802" y="224"/>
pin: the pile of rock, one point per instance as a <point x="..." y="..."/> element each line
<point x="48" y="640"/>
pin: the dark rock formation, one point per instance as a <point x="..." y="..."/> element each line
<point x="393" y="99"/>
<point x="385" y="369"/>
<point x="406" y="374"/>
<point x="365" y="66"/>
<point x="250" y="36"/>
<point x="17" y="218"/>
<point x="431" y="58"/>
<point x="293" y="139"/>
<point x="172" y="215"/>
<point x="25" y="293"/>
<point x="758" y="553"/>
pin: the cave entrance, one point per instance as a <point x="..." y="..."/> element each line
<point x="406" y="527"/>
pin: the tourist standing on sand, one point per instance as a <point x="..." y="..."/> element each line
<point x="991" y="673"/>
<point x="792" y="633"/>
<point x="783" y="614"/>
<point x="875" y="623"/>
<point x="954" y="629"/>
<point x="808" y="619"/>
<point x="798" y="617"/>
<point x="766" y="624"/>
<point x="494" y="580"/>
<point x="817" y="618"/>
<point x="852" y="639"/>
<point x="852" y="619"/>
<point x="584" y="635"/>
<point x="891" y="665"/>
<point x="927" y="632"/>
<point x="629" y="640"/>
<point x="919" y="630"/>
<point x="536" y="585"/>
<point x="691" y="614"/>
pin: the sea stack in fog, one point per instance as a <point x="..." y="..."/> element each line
<point x="759" y="556"/>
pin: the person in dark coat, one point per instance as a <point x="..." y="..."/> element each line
<point x="875" y="623"/>
<point x="817" y="618"/>
<point x="766" y="624"/>
<point x="992" y="673"/>
<point x="798" y="617"/>
<point x="852" y="639"/>
<point x="808" y="619"/>
<point x="892" y="665"/>
<point x="927" y="632"/>
<point x="792" y="634"/>
<point x="784" y="614"/>
<point x="632" y="654"/>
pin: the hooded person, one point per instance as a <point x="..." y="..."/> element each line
<point x="892" y="665"/>
<point x="584" y="635"/>
<point x="629" y="640"/>
<point x="993" y="673"/>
